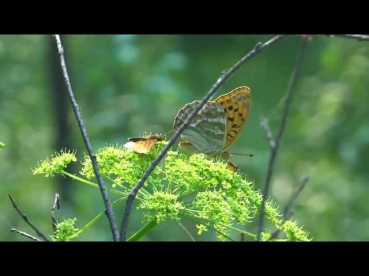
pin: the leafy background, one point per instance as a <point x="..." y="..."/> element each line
<point x="130" y="84"/>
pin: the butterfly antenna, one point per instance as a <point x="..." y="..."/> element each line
<point x="244" y="154"/>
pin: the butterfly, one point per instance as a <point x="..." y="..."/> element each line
<point x="143" y="144"/>
<point x="217" y="125"/>
<point x="232" y="166"/>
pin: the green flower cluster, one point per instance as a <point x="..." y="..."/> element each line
<point x="64" y="230"/>
<point x="181" y="186"/>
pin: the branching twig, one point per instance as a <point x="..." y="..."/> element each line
<point x="258" y="48"/>
<point x="25" y="218"/>
<point x="268" y="133"/>
<point x="274" y="151"/>
<point x="293" y="198"/>
<point x="355" y="36"/>
<point x="57" y="206"/>
<point x="286" y="210"/>
<point x="24" y="234"/>
<point x="100" y="181"/>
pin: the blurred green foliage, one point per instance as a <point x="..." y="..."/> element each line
<point x="130" y="84"/>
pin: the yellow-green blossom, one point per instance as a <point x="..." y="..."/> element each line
<point x="57" y="163"/>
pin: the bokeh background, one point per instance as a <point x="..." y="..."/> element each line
<point x="130" y="84"/>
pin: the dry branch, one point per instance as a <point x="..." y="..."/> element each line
<point x="77" y="112"/>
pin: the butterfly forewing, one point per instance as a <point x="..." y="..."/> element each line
<point x="236" y="104"/>
<point x="206" y="132"/>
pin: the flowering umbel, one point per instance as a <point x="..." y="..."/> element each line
<point x="181" y="187"/>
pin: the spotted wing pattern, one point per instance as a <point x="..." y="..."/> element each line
<point x="218" y="124"/>
<point x="237" y="105"/>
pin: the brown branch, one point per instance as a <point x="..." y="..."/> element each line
<point x="25" y="218"/>
<point x="274" y="150"/>
<point x="77" y="112"/>
<point x="24" y="234"/>
<point x="287" y="214"/>
<point x="57" y="206"/>
<point x="257" y="49"/>
<point x="354" y="36"/>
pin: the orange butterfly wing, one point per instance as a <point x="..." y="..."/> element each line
<point x="142" y="144"/>
<point x="236" y="105"/>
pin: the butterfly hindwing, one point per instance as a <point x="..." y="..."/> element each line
<point x="206" y="132"/>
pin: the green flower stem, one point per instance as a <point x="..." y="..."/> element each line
<point x="143" y="192"/>
<point x="93" y="220"/>
<point x="195" y="218"/>
<point x="182" y="196"/>
<point x="140" y="233"/>
<point x="185" y="229"/>
<point x="202" y="221"/>
<point x="91" y="183"/>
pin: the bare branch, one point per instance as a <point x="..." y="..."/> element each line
<point x="355" y="36"/>
<point x="57" y="206"/>
<point x="25" y="218"/>
<point x="294" y="196"/>
<point x="268" y="133"/>
<point x="24" y="234"/>
<point x="274" y="151"/>
<point x="77" y="112"/>
<point x="287" y="214"/>
<point x="257" y="49"/>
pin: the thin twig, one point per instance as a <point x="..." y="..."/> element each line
<point x="257" y="49"/>
<point x="354" y="36"/>
<point x="268" y="133"/>
<point x="24" y="234"/>
<point x="77" y="112"/>
<point x="25" y="218"/>
<point x="294" y="196"/>
<point x="57" y="206"/>
<point x="274" y="151"/>
<point x="287" y="214"/>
